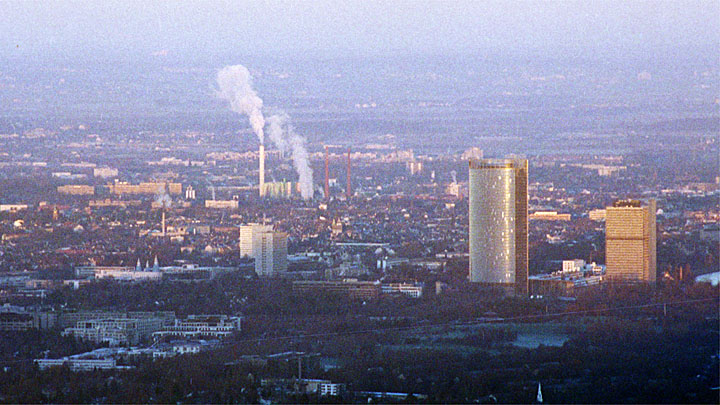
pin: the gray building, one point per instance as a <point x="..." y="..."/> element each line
<point x="267" y="247"/>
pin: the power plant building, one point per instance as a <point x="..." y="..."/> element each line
<point x="498" y="239"/>
<point x="281" y="189"/>
<point x="630" y="241"/>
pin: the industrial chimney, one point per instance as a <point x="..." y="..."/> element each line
<point x="348" y="190"/>
<point x="327" y="175"/>
<point x="262" y="170"/>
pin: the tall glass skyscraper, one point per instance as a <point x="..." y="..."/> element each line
<point x="499" y="222"/>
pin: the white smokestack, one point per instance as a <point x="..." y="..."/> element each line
<point x="163" y="223"/>
<point x="262" y="170"/>
<point x="235" y="86"/>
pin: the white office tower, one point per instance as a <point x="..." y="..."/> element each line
<point x="267" y="247"/>
<point x="247" y="237"/>
<point x="498" y="222"/>
<point x="271" y="256"/>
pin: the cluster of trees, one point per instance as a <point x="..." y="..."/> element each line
<point x="32" y="344"/>
<point x="634" y="350"/>
<point x="607" y="360"/>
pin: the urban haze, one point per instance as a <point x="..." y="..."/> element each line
<point x="359" y="202"/>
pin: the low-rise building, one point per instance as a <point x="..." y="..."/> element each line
<point x="105" y="172"/>
<point x="14" y="318"/>
<point x="76" y="364"/>
<point x="14" y="321"/>
<point x="12" y="207"/>
<point x="120" y="188"/>
<point x="70" y="319"/>
<point x="222" y="204"/>
<point x="195" y="326"/>
<point x="115" y="332"/>
<point x="114" y="203"/>
<point x="328" y="389"/>
<point x="351" y="287"/>
<point x="76" y="189"/>
<point x="119" y="273"/>
<point x="412" y="290"/>
<point x="548" y="216"/>
<point x="597" y="215"/>
<point x="566" y="281"/>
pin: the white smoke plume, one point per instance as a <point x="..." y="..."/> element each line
<point x="288" y="141"/>
<point x="235" y="86"/>
<point x="162" y="198"/>
<point x="275" y="131"/>
<point x="301" y="162"/>
<point x="453" y="173"/>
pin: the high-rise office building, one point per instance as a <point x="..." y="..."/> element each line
<point x="499" y="222"/>
<point x="267" y="247"/>
<point x="630" y="241"/>
<point x="271" y="253"/>
<point x="248" y="237"/>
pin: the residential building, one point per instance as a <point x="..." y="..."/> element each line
<point x="412" y="290"/>
<point x="215" y="326"/>
<point x="350" y="287"/>
<point x="12" y="207"/>
<point x="597" y="215"/>
<point x="119" y="188"/>
<point x="105" y="172"/>
<point x="548" y="216"/>
<point x="222" y="204"/>
<point x="76" y="364"/>
<point x="115" y="331"/>
<point x="71" y="319"/>
<point x="76" y="189"/>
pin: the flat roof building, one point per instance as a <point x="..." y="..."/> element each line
<point x="119" y="188"/>
<point x="266" y="246"/>
<point x="76" y="189"/>
<point x="631" y="241"/>
<point x="498" y="239"/>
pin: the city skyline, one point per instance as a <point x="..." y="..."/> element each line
<point x="273" y="201"/>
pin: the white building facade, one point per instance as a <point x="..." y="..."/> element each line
<point x="267" y="247"/>
<point x="498" y="222"/>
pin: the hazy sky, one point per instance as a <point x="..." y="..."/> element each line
<point x="359" y="27"/>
